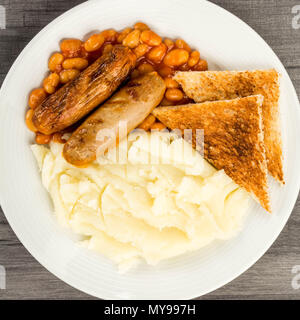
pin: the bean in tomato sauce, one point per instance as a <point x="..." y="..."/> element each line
<point x="154" y="53"/>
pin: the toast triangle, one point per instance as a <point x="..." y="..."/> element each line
<point x="233" y="138"/>
<point x="222" y="85"/>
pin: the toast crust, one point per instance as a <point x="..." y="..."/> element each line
<point x="233" y="138"/>
<point x="222" y="85"/>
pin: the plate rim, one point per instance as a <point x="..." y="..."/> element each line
<point x="266" y="245"/>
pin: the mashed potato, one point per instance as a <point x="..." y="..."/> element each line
<point x="135" y="211"/>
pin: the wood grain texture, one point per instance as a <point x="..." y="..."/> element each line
<point x="271" y="276"/>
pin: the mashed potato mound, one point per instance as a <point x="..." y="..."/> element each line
<point x="134" y="211"/>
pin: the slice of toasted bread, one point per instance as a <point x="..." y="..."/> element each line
<point x="221" y="85"/>
<point x="233" y="138"/>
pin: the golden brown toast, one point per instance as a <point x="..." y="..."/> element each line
<point x="222" y="85"/>
<point x="233" y="138"/>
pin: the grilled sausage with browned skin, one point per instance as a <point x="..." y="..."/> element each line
<point x="130" y="106"/>
<point x="77" y="98"/>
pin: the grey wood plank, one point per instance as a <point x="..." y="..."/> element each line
<point x="270" y="277"/>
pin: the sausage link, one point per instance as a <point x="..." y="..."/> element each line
<point x="81" y="95"/>
<point x="130" y="106"/>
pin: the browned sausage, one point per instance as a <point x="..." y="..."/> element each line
<point x="77" y="98"/>
<point x="131" y="105"/>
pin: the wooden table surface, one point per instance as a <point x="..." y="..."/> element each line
<point x="271" y="276"/>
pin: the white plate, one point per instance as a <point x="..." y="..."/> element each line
<point x="223" y="40"/>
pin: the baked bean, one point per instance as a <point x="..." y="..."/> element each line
<point x="132" y="40"/>
<point x="165" y="71"/>
<point x="55" y="62"/>
<point x="36" y="97"/>
<point x="156" y="54"/>
<point x="169" y="43"/>
<point x="75" y="63"/>
<point x="42" y="138"/>
<point x="107" y="48"/>
<point x="181" y="44"/>
<point x="145" y="68"/>
<point x="165" y="56"/>
<point x="201" y="66"/>
<point x="110" y="35"/>
<point x="141" y="50"/>
<point x="141" y="26"/>
<point x="94" y="42"/>
<point x="48" y="88"/>
<point x="28" y="120"/>
<point x="174" y="95"/>
<point x="53" y="79"/>
<point x="147" y="123"/>
<point x="58" y="137"/>
<point x="158" y="126"/>
<point x="194" y="58"/>
<point x="71" y="48"/>
<point x="176" y="57"/>
<point x="171" y="83"/>
<point x="123" y="34"/>
<point x="165" y="102"/>
<point x="51" y="82"/>
<point x="150" y="38"/>
<point x="68" y="75"/>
